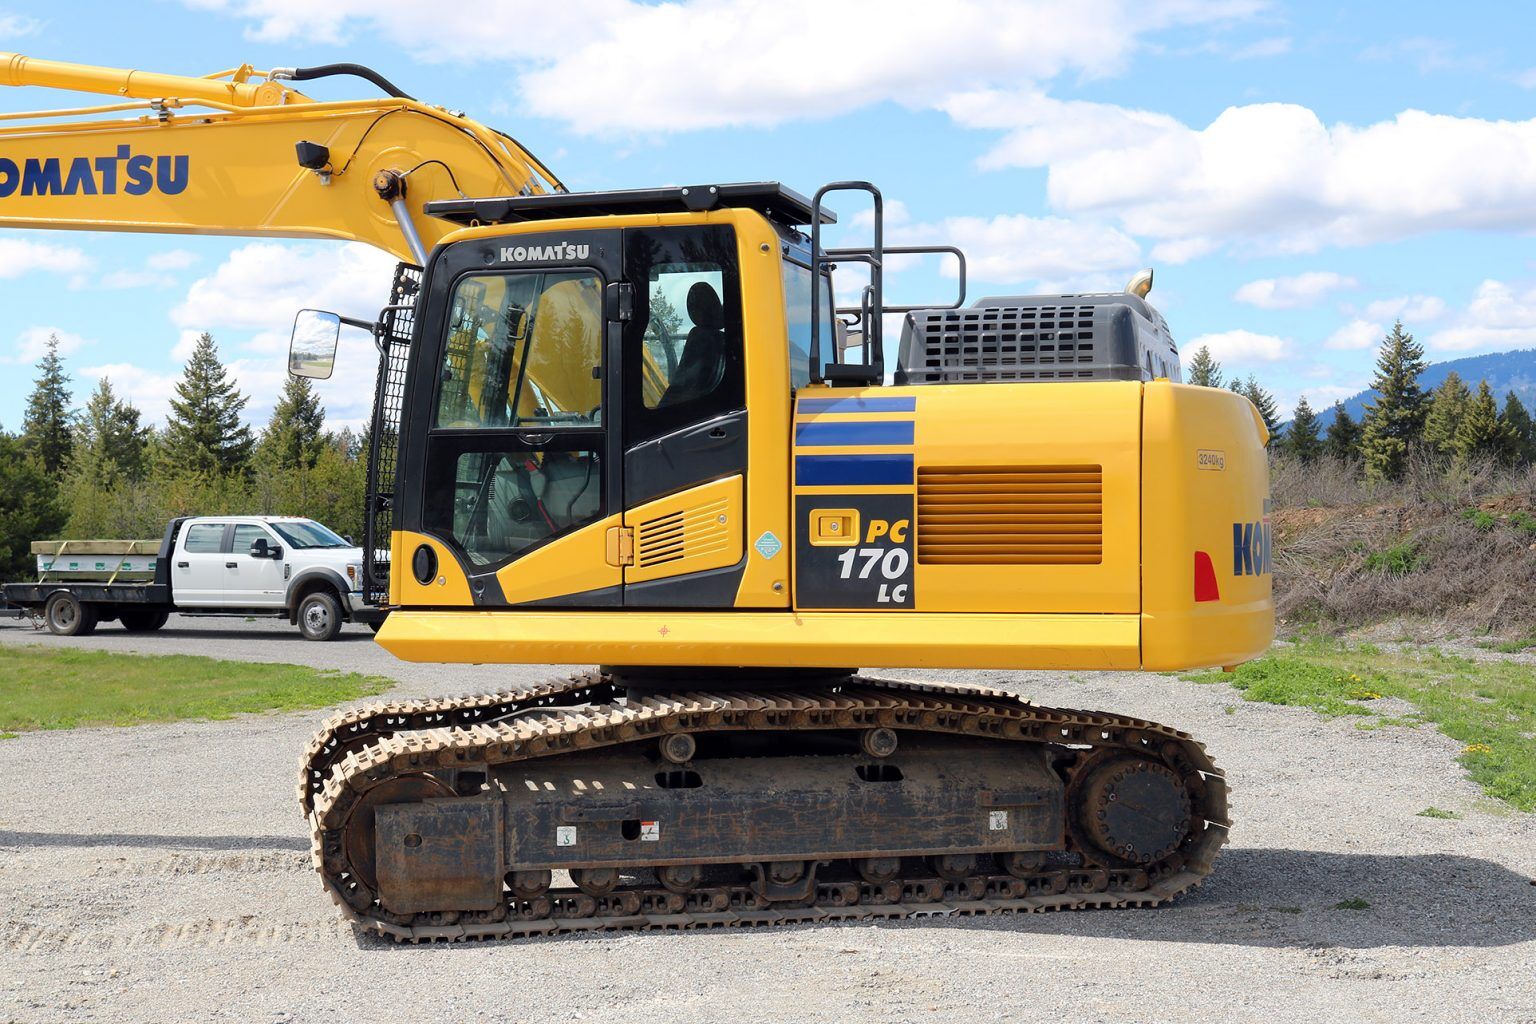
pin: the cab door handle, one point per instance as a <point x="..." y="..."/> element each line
<point x="183" y="565"/>
<point x="231" y="565"/>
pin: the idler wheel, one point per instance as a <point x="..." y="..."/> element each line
<point x="595" y="881"/>
<point x="1134" y="809"/>
<point x="359" y="834"/>
<point x="878" y="870"/>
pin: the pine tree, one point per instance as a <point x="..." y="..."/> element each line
<point x="1520" y="426"/>
<point x="295" y="435"/>
<point x="46" y="426"/>
<point x="1302" y="441"/>
<point x="1394" y="420"/>
<point x="1447" y="408"/>
<point x="109" y="442"/>
<point x="1482" y="434"/>
<point x="203" y="433"/>
<point x="1203" y="369"/>
<point x="29" y="509"/>
<point x="1269" y="410"/>
<point x="1343" y="439"/>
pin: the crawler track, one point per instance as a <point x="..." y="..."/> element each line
<point x="365" y="748"/>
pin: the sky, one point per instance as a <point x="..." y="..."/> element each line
<point x="1299" y="174"/>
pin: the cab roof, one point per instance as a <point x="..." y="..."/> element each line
<point x="768" y="197"/>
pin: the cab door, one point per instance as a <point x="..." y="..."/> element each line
<point x="254" y="581"/>
<point x="520" y="474"/>
<point x="197" y="577"/>
<point x="684" y="423"/>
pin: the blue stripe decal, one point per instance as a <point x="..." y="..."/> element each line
<point x="854" y="432"/>
<point x="899" y="404"/>
<point x="852" y="470"/>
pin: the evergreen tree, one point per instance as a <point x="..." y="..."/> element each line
<point x="1203" y="369"/>
<point x="1263" y="401"/>
<point x="1520" y="427"/>
<point x="46" y="428"/>
<point x="203" y="433"/>
<point x="1394" y="420"/>
<point x="1447" y="408"/>
<point x="1343" y="438"/>
<point x="1302" y="441"/>
<point x="109" y="442"/>
<point x="1482" y="434"/>
<point x="29" y="508"/>
<point x="294" y="436"/>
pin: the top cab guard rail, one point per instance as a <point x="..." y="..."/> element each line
<point x="871" y="309"/>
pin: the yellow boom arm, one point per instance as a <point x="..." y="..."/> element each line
<point x="241" y="153"/>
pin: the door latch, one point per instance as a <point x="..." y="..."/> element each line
<point x="620" y="300"/>
<point x="621" y="545"/>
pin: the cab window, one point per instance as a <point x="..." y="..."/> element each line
<point x="797" y="318"/>
<point x="203" y="538"/>
<point x="683" y="348"/>
<point x="246" y="535"/>
<point x="523" y="350"/>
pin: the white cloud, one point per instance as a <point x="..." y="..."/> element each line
<point x="1356" y="334"/>
<point x="19" y="256"/>
<point x="32" y="342"/>
<point x="1526" y="79"/>
<point x="1410" y="309"/>
<point x="1299" y="292"/>
<point x="150" y="392"/>
<point x="171" y="259"/>
<point x="1239" y="346"/>
<point x="1014" y="248"/>
<point x="625" y="66"/>
<point x="1500" y="316"/>
<point x="1266" y="177"/>
<point x="18" y="26"/>
<point x="260" y="286"/>
<point x="248" y="303"/>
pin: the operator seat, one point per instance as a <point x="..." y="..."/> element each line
<point x="701" y="367"/>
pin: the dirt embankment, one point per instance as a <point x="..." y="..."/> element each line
<point x="1448" y="550"/>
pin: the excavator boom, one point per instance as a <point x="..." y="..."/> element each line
<point x="244" y="154"/>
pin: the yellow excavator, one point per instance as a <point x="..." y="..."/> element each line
<point x="635" y="430"/>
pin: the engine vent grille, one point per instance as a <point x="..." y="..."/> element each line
<point x="1005" y="343"/>
<point x="1019" y="515"/>
<point x="692" y="533"/>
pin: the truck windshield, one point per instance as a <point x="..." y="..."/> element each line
<point x="308" y="534"/>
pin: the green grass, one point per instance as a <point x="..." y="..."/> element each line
<point x="1480" y="519"/>
<point x="52" y="688"/>
<point x="1397" y="560"/>
<point x="1353" y="903"/>
<point x="1487" y="706"/>
<point x="1436" y="812"/>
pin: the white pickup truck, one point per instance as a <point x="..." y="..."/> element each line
<point x="217" y="565"/>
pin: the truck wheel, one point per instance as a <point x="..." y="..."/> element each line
<point x="66" y="616"/>
<point x="319" y="616"/>
<point x="142" y="620"/>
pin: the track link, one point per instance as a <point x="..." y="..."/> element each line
<point x="359" y="750"/>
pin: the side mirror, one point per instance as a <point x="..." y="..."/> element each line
<point x="275" y="551"/>
<point x="312" y="349"/>
<point x="348" y="538"/>
<point x="259" y="548"/>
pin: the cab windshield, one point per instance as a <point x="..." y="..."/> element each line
<point x="307" y="533"/>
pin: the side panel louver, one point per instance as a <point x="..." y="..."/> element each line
<point x="1010" y="515"/>
<point x="697" y="529"/>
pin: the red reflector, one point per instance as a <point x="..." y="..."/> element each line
<point x="1205" y="579"/>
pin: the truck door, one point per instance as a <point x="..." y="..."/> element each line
<point x="253" y="581"/>
<point x="197" y="579"/>
<point x="684" y="418"/>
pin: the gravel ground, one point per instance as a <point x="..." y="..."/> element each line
<point x="161" y="873"/>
